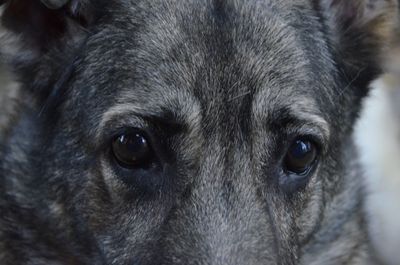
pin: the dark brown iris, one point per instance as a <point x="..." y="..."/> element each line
<point x="301" y="156"/>
<point x="132" y="150"/>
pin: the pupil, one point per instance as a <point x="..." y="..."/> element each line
<point x="131" y="149"/>
<point x="300" y="149"/>
<point x="134" y="143"/>
<point x="300" y="156"/>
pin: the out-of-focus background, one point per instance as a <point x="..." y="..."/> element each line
<point x="377" y="135"/>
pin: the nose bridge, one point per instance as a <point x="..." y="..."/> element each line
<point x="225" y="175"/>
<point x="231" y="218"/>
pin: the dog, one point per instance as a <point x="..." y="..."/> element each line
<point x="187" y="132"/>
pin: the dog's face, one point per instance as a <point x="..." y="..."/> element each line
<point x="201" y="132"/>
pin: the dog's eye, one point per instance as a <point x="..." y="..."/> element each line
<point x="301" y="156"/>
<point x="132" y="150"/>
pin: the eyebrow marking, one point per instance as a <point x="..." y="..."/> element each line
<point x="121" y="110"/>
<point x="312" y="118"/>
<point x="186" y="113"/>
<point x="302" y="108"/>
<point x="118" y="110"/>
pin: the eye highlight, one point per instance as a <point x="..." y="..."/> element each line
<point x="300" y="159"/>
<point x="132" y="150"/>
<point x="301" y="156"/>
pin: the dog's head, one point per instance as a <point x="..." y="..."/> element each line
<point x="196" y="132"/>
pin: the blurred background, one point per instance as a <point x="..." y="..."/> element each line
<point x="377" y="135"/>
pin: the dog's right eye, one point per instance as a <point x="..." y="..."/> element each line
<point x="301" y="156"/>
<point x="300" y="160"/>
<point x="132" y="150"/>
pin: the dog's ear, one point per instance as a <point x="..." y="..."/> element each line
<point x="361" y="32"/>
<point x="38" y="38"/>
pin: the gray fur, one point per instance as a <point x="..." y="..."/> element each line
<point x="224" y="86"/>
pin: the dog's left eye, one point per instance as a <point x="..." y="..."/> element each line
<point x="132" y="150"/>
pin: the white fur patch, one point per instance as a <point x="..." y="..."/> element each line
<point x="378" y="138"/>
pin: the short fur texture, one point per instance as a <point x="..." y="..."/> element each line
<point x="222" y="88"/>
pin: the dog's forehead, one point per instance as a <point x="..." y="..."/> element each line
<point x="195" y="58"/>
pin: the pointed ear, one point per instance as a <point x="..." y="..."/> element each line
<point x="39" y="38"/>
<point x="361" y="33"/>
